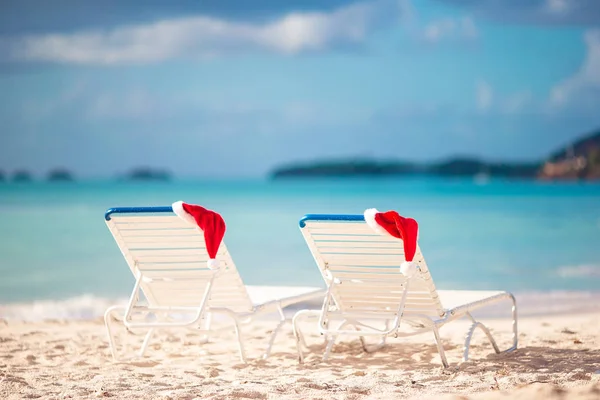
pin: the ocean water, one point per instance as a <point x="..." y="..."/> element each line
<point x="521" y="236"/>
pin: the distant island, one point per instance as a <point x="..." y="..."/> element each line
<point x="60" y="175"/>
<point x="21" y="176"/>
<point x="147" y="174"/>
<point x="580" y="160"/>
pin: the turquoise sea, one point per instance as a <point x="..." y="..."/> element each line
<point x="519" y="236"/>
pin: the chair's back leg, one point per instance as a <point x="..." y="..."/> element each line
<point x="440" y="347"/>
<point x="146" y="341"/>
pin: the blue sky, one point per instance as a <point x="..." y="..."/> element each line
<point x="232" y="88"/>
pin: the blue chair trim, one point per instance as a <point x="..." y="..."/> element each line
<point x="331" y="217"/>
<point x="134" y="210"/>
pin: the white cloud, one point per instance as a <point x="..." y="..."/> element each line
<point x="484" y="95"/>
<point x="450" y="28"/>
<point x="206" y="37"/>
<point x="584" y="82"/>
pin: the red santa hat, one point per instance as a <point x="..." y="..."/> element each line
<point x="210" y="222"/>
<point x="393" y="224"/>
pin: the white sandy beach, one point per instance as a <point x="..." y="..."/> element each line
<point x="558" y="358"/>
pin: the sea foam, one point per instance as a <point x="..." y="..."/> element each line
<point x="87" y="307"/>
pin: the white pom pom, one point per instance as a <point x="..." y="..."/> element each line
<point x="213" y="264"/>
<point x="369" y="215"/>
<point x="409" y="268"/>
<point x="181" y="213"/>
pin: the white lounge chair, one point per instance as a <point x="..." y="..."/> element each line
<point x="367" y="295"/>
<point x="168" y="259"/>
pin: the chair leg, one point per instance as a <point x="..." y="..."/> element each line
<point x="329" y="347"/>
<point x="476" y="324"/>
<point x="146" y="342"/>
<point x="375" y="347"/>
<point x="238" y="335"/>
<point x="515" y="329"/>
<point x="298" y="335"/>
<point x="333" y="338"/>
<point x="282" y="321"/>
<point x="440" y="347"/>
<point x="110" y="330"/>
<point x="362" y="341"/>
<point x="206" y="327"/>
<point x="384" y="338"/>
<point x="267" y="352"/>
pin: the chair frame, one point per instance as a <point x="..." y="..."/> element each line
<point x="197" y="317"/>
<point x="419" y="322"/>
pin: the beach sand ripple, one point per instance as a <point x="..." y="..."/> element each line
<point x="558" y="358"/>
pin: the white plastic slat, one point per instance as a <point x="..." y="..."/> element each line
<point x="172" y="274"/>
<point x="157" y="225"/>
<point x="129" y="233"/>
<point x="386" y="295"/>
<point x="173" y="252"/>
<point x="358" y="245"/>
<point x="395" y="279"/>
<point x="374" y="259"/>
<point x="168" y="300"/>
<point x="227" y="273"/>
<point x="338" y="225"/>
<point x="179" y="285"/>
<point x="171" y="266"/>
<point x="341" y="262"/>
<point x="362" y="272"/>
<point x="346" y="296"/>
<point x="391" y="308"/>
<point x="332" y="230"/>
<point x="379" y="314"/>
<point x="164" y="238"/>
<point x="426" y="303"/>
<point x="375" y="299"/>
<point x="364" y="305"/>
<point x="146" y="218"/>
<point x="184" y="245"/>
<point x="390" y="291"/>
<point x="364" y="282"/>
<point x="169" y="291"/>
<point x="355" y="238"/>
<point x="201" y="258"/>
<point x="368" y="251"/>
<point x="429" y="309"/>
<point x="368" y="290"/>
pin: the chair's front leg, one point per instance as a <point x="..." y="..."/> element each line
<point x="515" y="328"/>
<point x="238" y="334"/>
<point x="298" y="335"/>
<point x="476" y="324"/>
<point x="282" y="321"/>
<point x="206" y="327"/>
<point x="334" y="338"/>
<point x="108" y="322"/>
